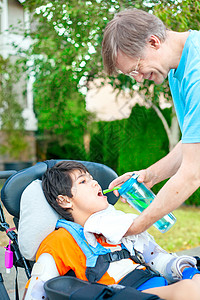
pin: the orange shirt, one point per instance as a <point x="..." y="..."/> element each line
<point x="68" y="255"/>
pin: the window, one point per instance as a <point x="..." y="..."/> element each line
<point x="0" y="16"/>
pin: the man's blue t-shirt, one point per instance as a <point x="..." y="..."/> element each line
<point x="185" y="88"/>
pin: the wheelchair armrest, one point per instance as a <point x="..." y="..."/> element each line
<point x="61" y="287"/>
<point x="64" y="288"/>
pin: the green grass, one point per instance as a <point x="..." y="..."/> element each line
<point x="185" y="234"/>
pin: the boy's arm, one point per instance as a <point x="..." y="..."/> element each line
<point x="168" y="265"/>
<point x="110" y="223"/>
<point x="43" y="270"/>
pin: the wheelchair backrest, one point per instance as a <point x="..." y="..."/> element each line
<point x="16" y="184"/>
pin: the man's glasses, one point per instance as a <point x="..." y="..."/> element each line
<point x="135" y="72"/>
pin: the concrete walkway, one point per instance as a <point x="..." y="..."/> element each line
<point x="9" y="279"/>
<point x="192" y="252"/>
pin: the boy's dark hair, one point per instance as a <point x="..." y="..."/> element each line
<point x="57" y="181"/>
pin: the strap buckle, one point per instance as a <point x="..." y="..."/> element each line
<point x="117" y="255"/>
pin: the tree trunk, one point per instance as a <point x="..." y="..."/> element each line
<point x="173" y="132"/>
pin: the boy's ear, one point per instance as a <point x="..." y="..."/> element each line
<point x="154" y="42"/>
<point x="64" y="201"/>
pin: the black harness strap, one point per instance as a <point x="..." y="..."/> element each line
<point x="133" y="279"/>
<point x="122" y="254"/>
<point x="94" y="274"/>
<point x="116" y="255"/>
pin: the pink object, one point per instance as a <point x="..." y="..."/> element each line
<point x="8" y="257"/>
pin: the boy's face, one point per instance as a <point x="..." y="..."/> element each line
<point x="87" y="194"/>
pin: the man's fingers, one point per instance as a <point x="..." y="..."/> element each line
<point x="140" y="178"/>
<point x="120" y="180"/>
<point x="116" y="193"/>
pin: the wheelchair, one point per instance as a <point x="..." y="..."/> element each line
<point x="62" y="287"/>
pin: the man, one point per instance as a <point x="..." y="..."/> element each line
<point x="138" y="44"/>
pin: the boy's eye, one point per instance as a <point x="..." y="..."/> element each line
<point x="83" y="181"/>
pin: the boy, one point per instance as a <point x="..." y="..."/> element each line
<point x="78" y="198"/>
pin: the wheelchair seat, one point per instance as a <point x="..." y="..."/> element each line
<point x="11" y="194"/>
<point x="13" y="189"/>
<point x="17" y="183"/>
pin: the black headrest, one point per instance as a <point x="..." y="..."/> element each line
<point x="16" y="184"/>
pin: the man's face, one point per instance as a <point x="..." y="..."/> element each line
<point x="87" y="194"/>
<point x="150" y="67"/>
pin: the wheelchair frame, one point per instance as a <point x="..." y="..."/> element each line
<point x="18" y="259"/>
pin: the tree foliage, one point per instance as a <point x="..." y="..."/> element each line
<point x="130" y="144"/>
<point x="11" y="120"/>
<point x="66" y="54"/>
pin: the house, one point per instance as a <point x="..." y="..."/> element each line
<point x="107" y="104"/>
<point x="13" y="15"/>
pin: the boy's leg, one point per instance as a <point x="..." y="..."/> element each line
<point x="182" y="290"/>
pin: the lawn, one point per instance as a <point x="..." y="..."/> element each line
<point x="185" y="234"/>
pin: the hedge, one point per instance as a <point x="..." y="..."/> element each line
<point x="133" y="144"/>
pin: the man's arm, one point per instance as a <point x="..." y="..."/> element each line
<point x="178" y="188"/>
<point x="162" y="169"/>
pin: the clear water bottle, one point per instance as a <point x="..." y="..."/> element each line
<point x="139" y="196"/>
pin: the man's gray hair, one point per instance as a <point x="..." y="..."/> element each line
<point x="129" y="32"/>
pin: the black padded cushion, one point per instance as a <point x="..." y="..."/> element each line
<point x="66" y="288"/>
<point x="16" y="184"/>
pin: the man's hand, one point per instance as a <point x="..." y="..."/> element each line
<point x="145" y="176"/>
